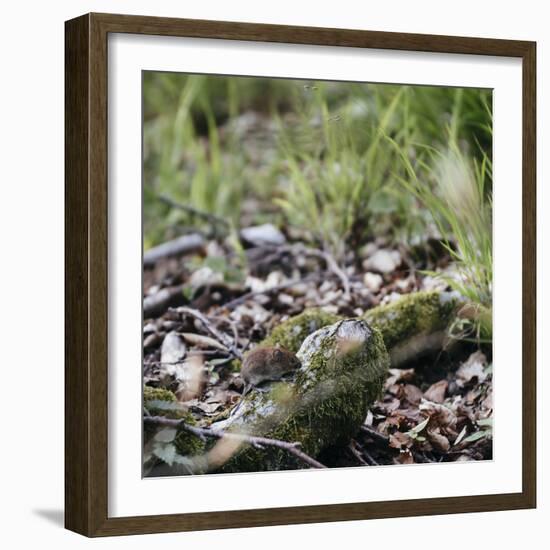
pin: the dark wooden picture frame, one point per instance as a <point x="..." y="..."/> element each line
<point x="86" y="321"/>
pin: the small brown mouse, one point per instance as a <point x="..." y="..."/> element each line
<point x="263" y="364"/>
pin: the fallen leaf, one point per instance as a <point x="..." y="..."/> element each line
<point x="201" y="341"/>
<point x="438" y="440"/>
<point x="476" y="435"/>
<point x="436" y="392"/>
<point x="405" y="457"/>
<point x="413" y="394"/>
<point x="440" y="414"/>
<point x="460" y="436"/>
<point x="473" y="368"/>
<point x="399" y="375"/>
<point x="400" y="440"/>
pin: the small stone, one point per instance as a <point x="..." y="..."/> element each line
<point x="372" y="281"/>
<point x="205" y="276"/>
<point x="368" y="250"/>
<point x="261" y="235"/>
<point x="285" y="299"/>
<point x="383" y="261"/>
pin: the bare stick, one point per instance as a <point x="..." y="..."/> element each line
<point x="182" y="245"/>
<point x="220" y="336"/>
<point x="193" y="211"/>
<point x="369" y="458"/>
<point x="156" y="304"/>
<point x="190" y="353"/>
<point x="329" y="260"/>
<point x="333" y="266"/>
<point x="237" y="301"/>
<point x="357" y="454"/>
<point x="377" y="436"/>
<point x="256" y="441"/>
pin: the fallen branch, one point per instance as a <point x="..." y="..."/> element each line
<point x="332" y="265"/>
<point x="190" y="353"/>
<point x="369" y="458"/>
<point x="256" y="441"/>
<point x="377" y="436"/>
<point x="357" y="454"/>
<point x="156" y="304"/>
<point x="182" y="245"/>
<point x="241" y="299"/>
<point x="225" y="340"/>
<point x="193" y="211"/>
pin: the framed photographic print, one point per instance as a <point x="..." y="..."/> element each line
<point x="300" y="274"/>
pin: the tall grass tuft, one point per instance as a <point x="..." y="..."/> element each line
<point x="340" y="179"/>
<point x="459" y="200"/>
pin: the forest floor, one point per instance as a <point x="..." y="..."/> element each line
<point x="437" y="409"/>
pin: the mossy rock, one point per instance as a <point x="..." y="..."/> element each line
<point x="291" y="333"/>
<point x="344" y="366"/>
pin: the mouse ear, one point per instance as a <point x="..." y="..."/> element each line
<point x="278" y="355"/>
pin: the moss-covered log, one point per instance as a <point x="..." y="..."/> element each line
<point x="410" y="326"/>
<point x="291" y="333"/>
<point x="344" y="366"/>
<point x="415" y="324"/>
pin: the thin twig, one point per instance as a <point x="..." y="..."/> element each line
<point x="241" y="299"/>
<point x="223" y="338"/>
<point x="334" y="267"/>
<point x="377" y="436"/>
<point x="193" y="211"/>
<point x="369" y="458"/>
<point x="156" y="304"/>
<point x="184" y="244"/>
<point x="357" y="454"/>
<point x="255" y="441"/>
<point x="190" y="353"/>
<point x="329" y="260"/>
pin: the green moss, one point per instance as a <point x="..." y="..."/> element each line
<point x="188" y="444"/>
<point x="413" y="314"/>
<point x="163" y="402"/>
<point x="291" y="333"/>
<point x="160" y="401"/>
<point x="157" y="394"/>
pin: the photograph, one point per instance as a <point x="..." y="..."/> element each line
<point x="317" y="285"/>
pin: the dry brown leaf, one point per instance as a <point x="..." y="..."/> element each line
<point x="400" y="440"/>
<point x="190" y="375"/>
<point x="412" y="393"/>
<point x="399" y="375"/>
<point x="438" y="440"/>
<point x="201" y="341"/>
<point x="439" y="414"/>
<point x="488" y="401"/>
<point x="436" y="392"/>
<point x="405" y="457"/>
<point x="473" y="368"/>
